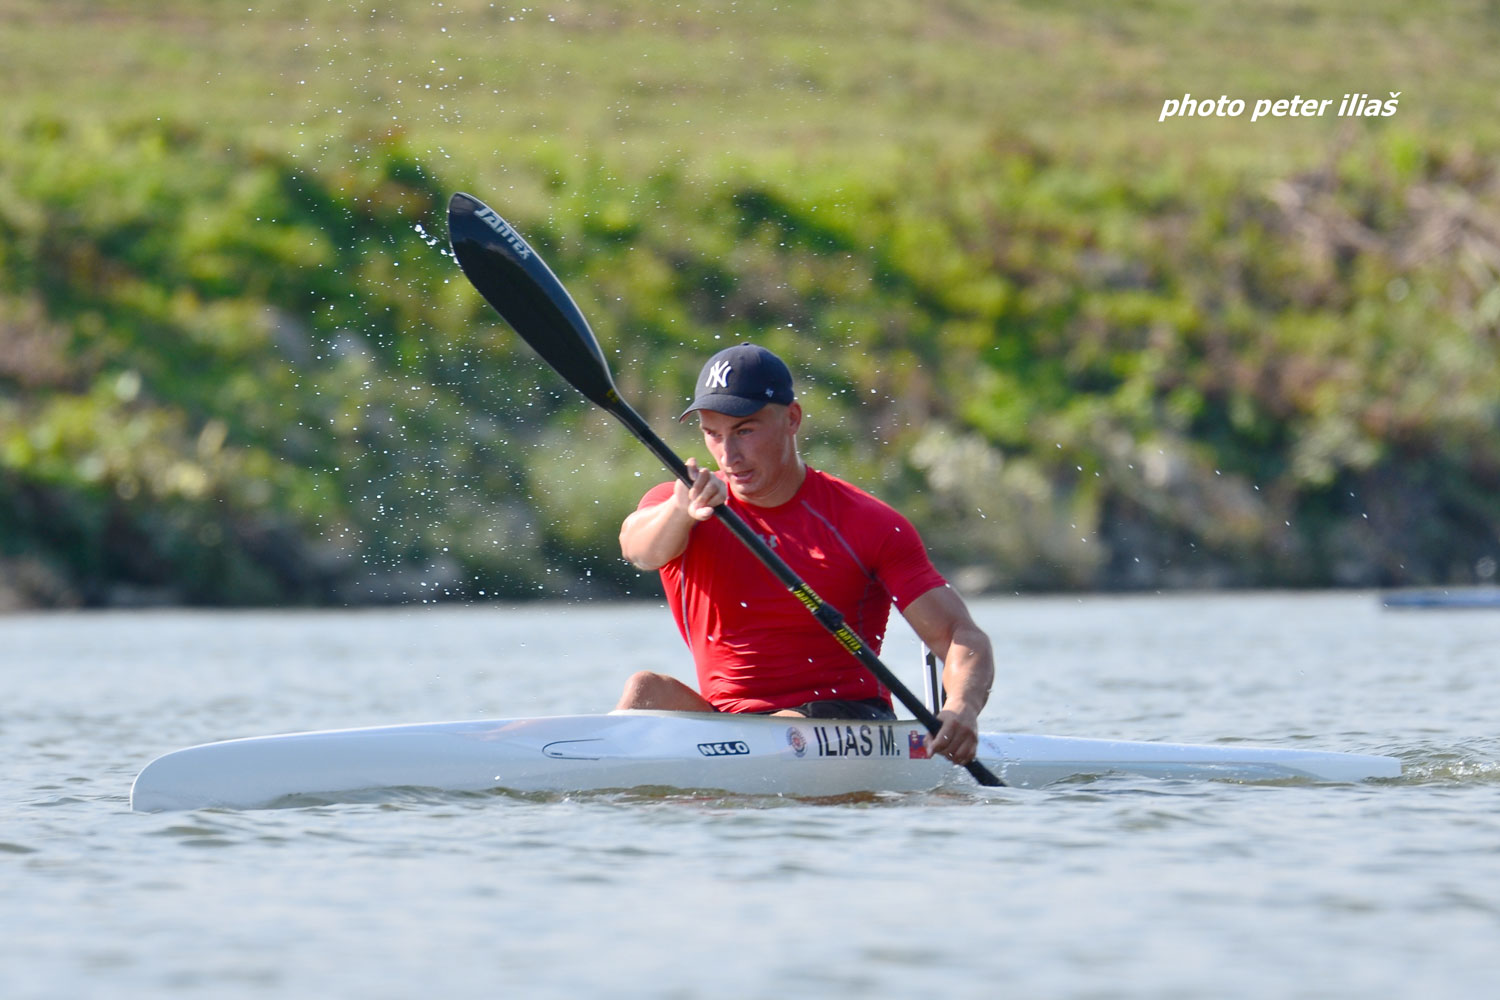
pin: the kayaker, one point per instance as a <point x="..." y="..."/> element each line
<point x="755" y="647"/>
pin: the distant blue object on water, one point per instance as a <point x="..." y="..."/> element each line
<point x="1443" y="597"/>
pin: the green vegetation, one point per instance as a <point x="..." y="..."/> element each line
<point x="1081" y="347"/>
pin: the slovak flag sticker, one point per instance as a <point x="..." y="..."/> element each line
<point x="916" y="744"/>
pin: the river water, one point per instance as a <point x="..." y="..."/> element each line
<point x="1103" y="888"/>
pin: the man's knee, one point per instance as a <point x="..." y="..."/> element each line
<point x="647" y="689"/>
<point x="643" y="689"/>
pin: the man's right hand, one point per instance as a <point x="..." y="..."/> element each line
<point x="653" y="536"/>
<point x="707" y="492"/>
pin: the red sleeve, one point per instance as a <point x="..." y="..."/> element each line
<point x="658" y="494"/>
<point x="904" y="566"/>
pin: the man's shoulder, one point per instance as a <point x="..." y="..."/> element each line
<point x="829" y="487"/>
<point x="885" y="540"/>
<point x="660" y="493"/>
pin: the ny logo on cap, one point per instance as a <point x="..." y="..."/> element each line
<point x="718" y="376"/>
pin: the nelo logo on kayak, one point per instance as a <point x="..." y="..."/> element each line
<point x="726" y="748"/>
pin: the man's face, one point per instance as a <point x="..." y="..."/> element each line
<point x="758" y="453"/>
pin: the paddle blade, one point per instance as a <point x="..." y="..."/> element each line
<point x="523" y="290"/>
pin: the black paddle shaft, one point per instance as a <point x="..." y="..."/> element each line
<point x="525" y="292"/>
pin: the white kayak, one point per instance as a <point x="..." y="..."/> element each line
<point x="745" y="754"/>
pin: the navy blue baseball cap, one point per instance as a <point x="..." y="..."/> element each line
<point x="740" y="380"/>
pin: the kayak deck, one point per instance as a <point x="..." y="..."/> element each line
<point x="744" y="754"/>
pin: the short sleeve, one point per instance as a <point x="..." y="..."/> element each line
<point x="904" y="566"/>
<point x="658" y="494"/>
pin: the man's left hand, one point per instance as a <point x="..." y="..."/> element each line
<point x="958" y="739"/>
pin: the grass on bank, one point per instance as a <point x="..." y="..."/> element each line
<point x="1083" y="347"/>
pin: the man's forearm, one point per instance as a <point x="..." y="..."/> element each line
<point x="968" y="672"/>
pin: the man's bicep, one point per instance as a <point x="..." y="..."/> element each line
<point x="936" y="616"/>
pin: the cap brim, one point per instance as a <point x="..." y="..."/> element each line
<point x="734" y="406"/>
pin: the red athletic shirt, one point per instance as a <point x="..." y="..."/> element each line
<point x="756" y="647"/>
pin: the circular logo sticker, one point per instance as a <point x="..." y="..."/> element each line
<point x="796" y="741"/>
